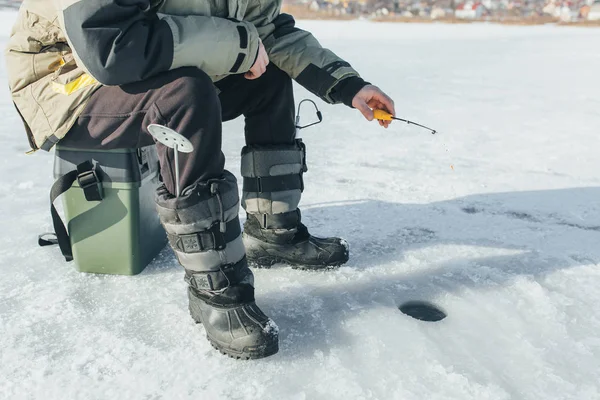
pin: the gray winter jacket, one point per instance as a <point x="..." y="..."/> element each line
<point x="60" y="51"/>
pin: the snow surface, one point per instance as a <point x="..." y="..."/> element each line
<point x="496" y="219"/>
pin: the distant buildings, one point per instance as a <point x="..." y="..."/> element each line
<point x="10" y="3"/>
<point x="437" y="13"/>
<point x="470" y="10"/>
<point x="594" y="12"/>
<point x="489" y="10"/>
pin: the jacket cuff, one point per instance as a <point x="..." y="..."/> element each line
<point x="251" y="48"/>
<point x="346" y="89"/>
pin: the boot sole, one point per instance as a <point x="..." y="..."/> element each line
<point x="267" y="262"/>
<point x="259" y="257"/>
<point x="246" y="354"/>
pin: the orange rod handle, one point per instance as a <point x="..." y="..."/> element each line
<point x="382" y="115"/>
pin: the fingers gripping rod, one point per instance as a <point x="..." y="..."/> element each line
<point x="385" y="116"/>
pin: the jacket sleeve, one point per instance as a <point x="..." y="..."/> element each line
<point x="125" y="41"/>
<point x="300" y="55"/>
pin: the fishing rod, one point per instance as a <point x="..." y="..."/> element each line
<point x="385" y="116"/>
<point x="378" y="114"/>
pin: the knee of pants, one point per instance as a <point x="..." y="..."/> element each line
<point x="193" y="77"/>
<point x="190" y="97"/>
<point x="189" y="104"/>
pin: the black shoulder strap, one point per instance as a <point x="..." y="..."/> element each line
<point x="90" y="183"/>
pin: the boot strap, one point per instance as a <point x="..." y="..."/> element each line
<point x="269" y="184"/>
<point x="210" y="239"/>
<point x="287" y="220"/>
<point x="227" y="275"/>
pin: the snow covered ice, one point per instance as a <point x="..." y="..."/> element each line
<point x="506" y="242"/>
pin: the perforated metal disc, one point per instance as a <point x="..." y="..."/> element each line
<point x="170" y="138"/>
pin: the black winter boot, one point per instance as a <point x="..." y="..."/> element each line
<point x="290" y="243"/>
<point x="273" y="232"/>
<point x="233" y="322"/>
<point x="204" y="231"/>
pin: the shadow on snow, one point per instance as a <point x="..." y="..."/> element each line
<point x="526" y="227"/>
<point x="526" y="230"/>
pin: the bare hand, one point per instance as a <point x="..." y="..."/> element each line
<point x="260" y="65"/>
<point x="371" y="98"/>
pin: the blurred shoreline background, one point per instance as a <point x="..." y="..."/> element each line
<point x="510" y="12"/>
<point x="14" y="4"/>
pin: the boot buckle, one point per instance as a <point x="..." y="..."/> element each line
<point x="218" y="237"/>
<point x="208" y="281"/>
<point x="213" y="281"/>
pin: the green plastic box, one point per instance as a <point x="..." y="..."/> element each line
<point x="122" y="233"/>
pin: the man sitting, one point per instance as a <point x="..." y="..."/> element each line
<point x="95" y="73"/>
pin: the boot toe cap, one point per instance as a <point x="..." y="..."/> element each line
<point x="242" y="332"/>
<point x="334" y="251"/>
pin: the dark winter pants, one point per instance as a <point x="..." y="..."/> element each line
<point x="186" y="101"/>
